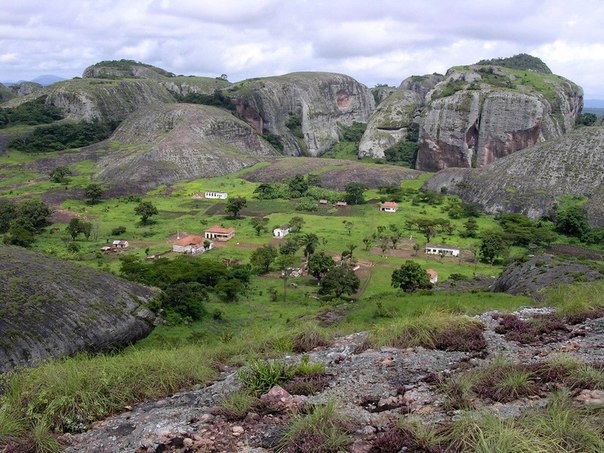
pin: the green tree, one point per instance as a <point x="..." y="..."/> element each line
<point x="73" y="228"/>
<point x="267" y="191"/>
<point x="229" y="290"/>
<point x="263" y="257"/>
<point x="309" y="242"/>
<point x="340" y="280"/>
<point x="572" y="221"/>
<point x="93" y="192"/>
<point x="319" y="264"/>
<point x="354" y="193"/>
<point x="290" y="246"/>
<point x="492" y="245"/>
<point x="32" y="215"/>
<point x="186" y="299"/>
<point x="145" y="209"/>
<point x="235" y="205"/>
<point x="298" y="186"/>
<point x="349" y="226"/>
<point x="8" y="210"/>
<point x="60" y="175"/>
<point x="470" y="228"/>
<point x="410" y="277"/>
<point x="259" y="224"/>
<point x="18" y="235"/>
<point x="296" y="223"/>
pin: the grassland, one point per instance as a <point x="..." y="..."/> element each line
<point x="255" y="326"/>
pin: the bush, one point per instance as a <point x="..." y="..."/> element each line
<point x="118" y="231"/>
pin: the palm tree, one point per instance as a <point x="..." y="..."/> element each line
<point x="309" y="241"/>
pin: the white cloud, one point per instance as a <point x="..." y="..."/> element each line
<point x="383" y="41"/>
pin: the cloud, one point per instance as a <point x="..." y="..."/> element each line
<point x="383" y="41"/>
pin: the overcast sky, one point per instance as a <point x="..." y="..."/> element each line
<point x="379" y="41"/>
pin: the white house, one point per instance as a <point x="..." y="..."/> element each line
<point x="191" y="244"/>
<point x="389" y="206"/>
<point x="443" y="250"/>
<point x="281" y="231"/>
<point x="217" y="195"/>
<point x="219" y="233"/>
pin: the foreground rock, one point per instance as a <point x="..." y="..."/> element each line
<point x="372" y="387"/>
<point x="50" y="308"/>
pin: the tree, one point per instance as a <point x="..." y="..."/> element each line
<point x="395" y="234"/>
<point x="470" y="228"/>
<point x="368" y="242"/>
<point x="493" y="244"/>
<point x="93" y="193"/>
<point x="349" y="226"/>
<point x="235" y="205"/>
<point x="572" y="221"/>
<point x="229" y="290"/>
<point x="267" y="191"/>
<point x="297" y="186"/>
<point x="296" y="223"/>
<point x="354" y="193"/>
<point x="340" y="280"/>
<point x="32" y="215"/>
<point x="74" y="228"/>
<point x="263" y="257"/>
<point x="309" y="242"/>
<point x="8" y="210"/>
<point x="145" y="210"/>
<point x="290" y="246"/>
<point x="319" y="264"/>
<point x="410" y="277"/>
<point x="259" y="224"/>
<point x="60" y="175"/>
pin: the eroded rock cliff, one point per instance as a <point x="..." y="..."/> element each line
<point x="51" y="308"/>
<point x="529" y="181"/>
<point x="481" y="113"/>
<point x="304" y="109"/>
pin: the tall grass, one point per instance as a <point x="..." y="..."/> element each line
<point x="69" y="394"/>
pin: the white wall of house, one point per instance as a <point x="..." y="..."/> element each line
<point x="219" y="195"/>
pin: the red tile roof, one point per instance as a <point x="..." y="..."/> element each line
<point x="189" y="240"/>
<point x="389" y="204"/>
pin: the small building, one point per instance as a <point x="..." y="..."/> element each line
<point x="216" y="195"/>
<point x="219" y="233"/>
<point x="432" y="275"/>
<point x="106" y="248"/>
<point x="323" y="201"/>
<point x="340" y="204"/>
<point x="119" y="244"/>
<point x="281" y="231"/>
<point x="191" y="244"/>
<point x="389" y="206"/>
<point x="443" y="250"/>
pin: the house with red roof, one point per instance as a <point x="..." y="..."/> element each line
<point x="389" y="206"/>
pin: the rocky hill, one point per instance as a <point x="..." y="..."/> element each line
<point x="50" y="308"/>
<point x="476" y="114"/>
<point x="164" y="143"/>
<point x="529" y="181"/>
<point x="305" y="109"/>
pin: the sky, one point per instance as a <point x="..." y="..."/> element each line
<point x="375" y="42"/>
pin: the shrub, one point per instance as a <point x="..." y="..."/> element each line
<point x="260" y="376"/>
<point x="118" y="231"/>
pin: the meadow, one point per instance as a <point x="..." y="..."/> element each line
<point x="69" y="394"/>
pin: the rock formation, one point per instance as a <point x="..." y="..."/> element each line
<point x="476" y="114"/>
<point x="51" y="308"/>
<point x="305" y="109"/>
<point x="529" y="181"/>
<point x="165" y="143"/>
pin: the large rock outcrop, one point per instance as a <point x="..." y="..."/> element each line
<point x="164" y="143"/>
<point x="481" y="113"/>
<point x="305" y="109"/>
<point x="389" y="122"/>
<point x="51" y="308"/>
<point x="529" y="181"/>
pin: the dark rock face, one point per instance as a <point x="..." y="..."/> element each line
<point x="528" y="181"/>
<point x="532" y="277"/>
<point x="50" y="308"/>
